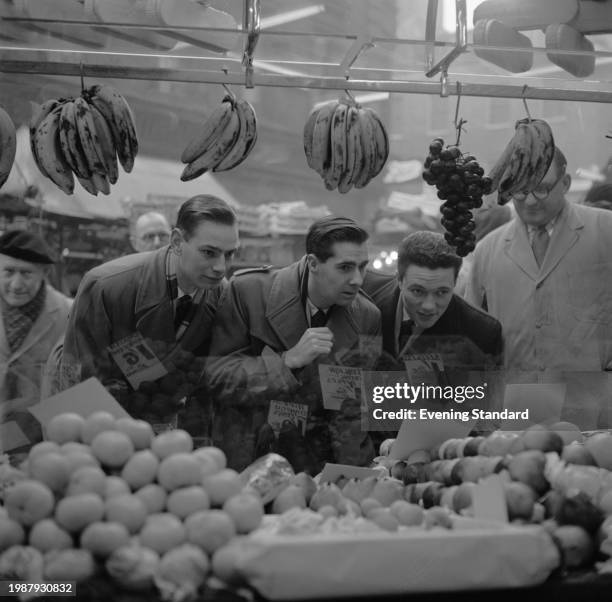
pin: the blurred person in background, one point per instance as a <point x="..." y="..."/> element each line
<point x="599" y="195"/>
<point x="487" y="218"/>
<point x="547" y="277"/>
<point x="34" y="317"/>
<point x="151" y="231"/>
<point x="167" y="297"/>
<point x="273" y="330"/>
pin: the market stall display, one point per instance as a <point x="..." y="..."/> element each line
<point x="8" y="145"/>
<point x="346" y="144"/>
<point x="84" y="137"/>
<point x="226" y="139"/>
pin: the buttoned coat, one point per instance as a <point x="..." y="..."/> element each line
<point x="556" y="318"/>
<point x="124" y="296"/>
<point x="261" y="316"/>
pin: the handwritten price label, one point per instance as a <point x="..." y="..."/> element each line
<point x="136" y="360"/>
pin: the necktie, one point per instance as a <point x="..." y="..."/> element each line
<point x="405" y="333"/>
<point x="183" y="306"/>
<point x="318" y="319"/>
<point x="539" y="244"/>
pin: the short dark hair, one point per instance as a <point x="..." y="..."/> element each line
<point x="204" y="208"/>
<point x="427" y="250"/>
<point x="326" y="231"/>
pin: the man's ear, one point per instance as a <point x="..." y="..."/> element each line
<point x="176" y="240"/>
<point x="312" y="262"/>
<point x="567" y="181"/>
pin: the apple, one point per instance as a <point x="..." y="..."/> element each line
<point x="163" y="531"/>
<point x="11" y="533"/>
<point x="141" y="469"/>
<point x="64" y="427"/>
<point x="520" y="500"/>
<point x="186" y="500"/>
<point x="52" y="469"/>
<point x="47" y="535"/>
<point x="222" y="485"/>
<point x="86" y="479"/>
<point x="246" y="510"/>
<point x="96" y="423"/>
<point x="139" y="431"/>
<point x="528" y="467"/>
<point x="129" y="510"/>
<point x="153" y="496"/>
<point x="577" y="453"/>
<point x="112" y="448"/>
<point x="180" y="469"/>
<point x="210" y="529"/>
<point x="172" y="442"/>
<point x="75" y="512"/>
<point x="103" y="538"/>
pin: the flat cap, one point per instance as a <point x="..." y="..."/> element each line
<point x="26" y="246"/>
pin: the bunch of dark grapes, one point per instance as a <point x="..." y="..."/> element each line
<point x="461" y="183"/>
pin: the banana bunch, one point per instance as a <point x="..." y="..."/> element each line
<point x="525" y="160"/>
<point x="8" y="145"/>
<point x="346" y="144"/>
<point x="225" y="140"/>
<point x="83" y="137"/>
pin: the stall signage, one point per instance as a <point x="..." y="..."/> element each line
<point x="136" y="360"/>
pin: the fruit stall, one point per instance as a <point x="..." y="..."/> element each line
<point x="402" y="115"/>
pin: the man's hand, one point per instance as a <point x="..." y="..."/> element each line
<point x="314" y="342"/>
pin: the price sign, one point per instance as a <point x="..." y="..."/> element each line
<point x="136" y="360"/>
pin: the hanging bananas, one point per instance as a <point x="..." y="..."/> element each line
<point x="84" y="137"/>
<point x="8" y="145"/>
<point x="525" y="160"/>
<point x="225" y="140"/>
<point x="346" y="144"/>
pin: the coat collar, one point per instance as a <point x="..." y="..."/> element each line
<point x="286" y="314"/>
<point x="53" y="304"/>
<point x="565" y="235"/>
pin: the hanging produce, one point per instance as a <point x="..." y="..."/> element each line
<point x="226" y="139"/>
<point x="525" y="160"/>
<point x="8" y="145"/>
<point x="346" y="144"/>
<point x="460" y="183"/>
<point x="83" y="137"/>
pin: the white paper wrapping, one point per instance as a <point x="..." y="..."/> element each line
<point x="301" y="567"/>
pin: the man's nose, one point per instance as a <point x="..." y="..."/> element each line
<point x="357" y="278"/>
<point x="220" y="266"/>
<point x="429" y="302"/>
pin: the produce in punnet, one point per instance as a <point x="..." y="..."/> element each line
<point x="225" y="140"/>
<point x="345" y="143"/>
<point x="525" y="160"/>
<point x="8" y="145"/>
<point x="460" y="183"/>
<point x="84" y="137"/>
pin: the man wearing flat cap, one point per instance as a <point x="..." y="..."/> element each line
<point x="34" y="318"/>
<point x="274" y="328"/>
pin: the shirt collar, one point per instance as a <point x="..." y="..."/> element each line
<point x="549" y="227"/>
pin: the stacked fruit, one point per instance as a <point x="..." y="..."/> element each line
<point x="105" y="492"/>
<point x="551" y="476"/>
<point x="226" y="139"/>
<point x="8" y="145"/>
<point x="525" y="160"/>
<point x="460" y="183"/>
<point x="84" y="137"/>
<point x="346" y="144"/>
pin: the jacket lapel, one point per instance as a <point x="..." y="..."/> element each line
<point x="518" y="249"/>
<point x="43" y="324"/>
<point x="285" y="312"/>
<point x="564" y="237"/>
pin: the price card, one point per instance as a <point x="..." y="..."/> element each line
<point x="136" y="360"/>
<point x="424" y="368"/>
<point x="339" y="383"/>
<point x="281" y="411"/>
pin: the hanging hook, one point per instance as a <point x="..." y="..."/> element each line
<point x="82" y="77"/>
<point x="350" y="95"/>
<point x="444" y="84"/>
<point x="525" y="102"/>
<point x="459" y="121"/>
<point x="227" y="88"/>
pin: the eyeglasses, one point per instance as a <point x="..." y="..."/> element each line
<point x="151" y="236"/>
<point x="540" y="192"/>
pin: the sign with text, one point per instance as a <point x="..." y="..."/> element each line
<point x="283" y="411"/>
<point x="339" y="383"/>
<point x="136" y="360"/>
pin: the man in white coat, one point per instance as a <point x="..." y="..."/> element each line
<point x="547" y="277"/>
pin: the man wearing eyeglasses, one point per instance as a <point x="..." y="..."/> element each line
<point x="151" y="231"/>
<point x="547" y="278"/>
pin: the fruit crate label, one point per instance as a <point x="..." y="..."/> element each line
<point x="136" y="360"/>
<point x="282" y="411"/>
<point x="339" y="383"/>
<point x="424" y="368"/>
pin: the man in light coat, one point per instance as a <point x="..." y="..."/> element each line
<point x="547" y="277"/>
<point x="273" y="330"/>
<point x="168" y="297"/>
<point x="33" y="318"/>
